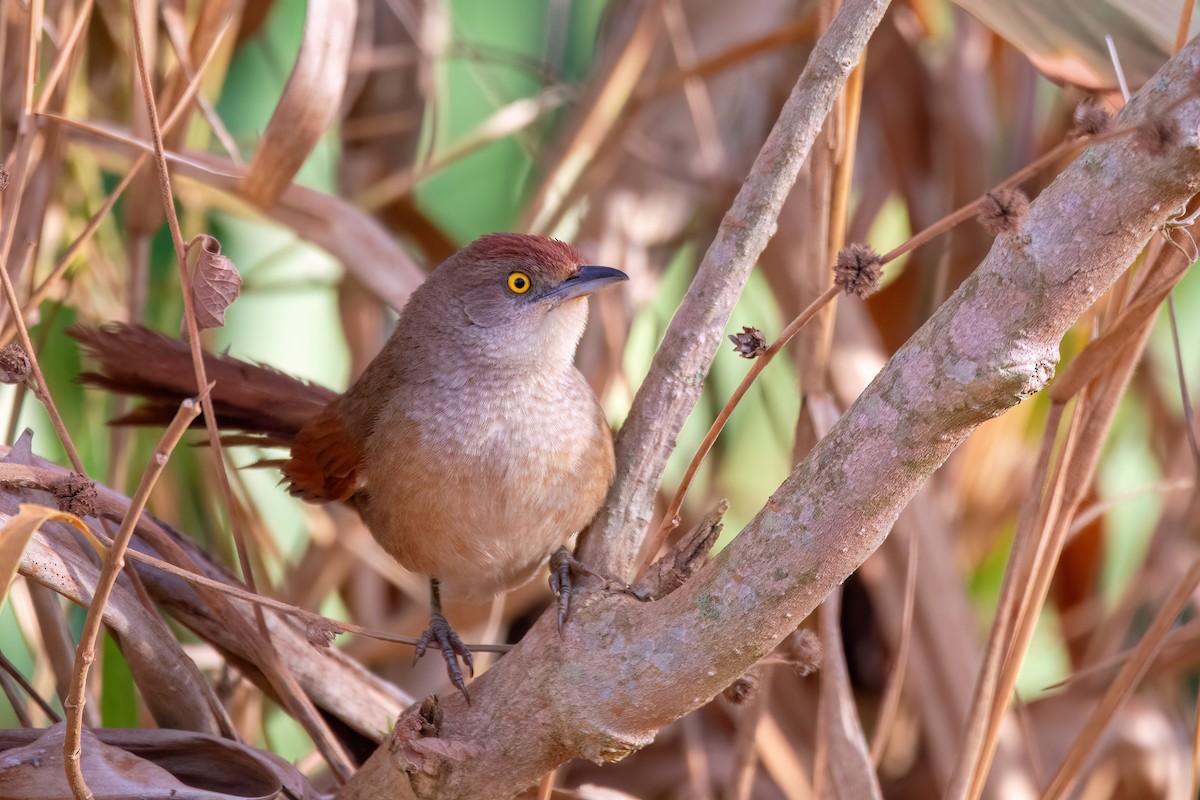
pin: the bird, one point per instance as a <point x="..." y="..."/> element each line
<point x="472" y="446"/>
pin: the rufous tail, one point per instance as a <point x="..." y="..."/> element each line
<point x="134" y="360"/>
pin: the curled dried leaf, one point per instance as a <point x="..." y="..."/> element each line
<point x="215" y="282"/>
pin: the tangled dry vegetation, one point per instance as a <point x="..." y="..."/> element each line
<point x="963" y="586"/>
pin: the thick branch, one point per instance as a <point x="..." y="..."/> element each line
<point x="677" y="374"/>
<point x="625" y="669"/>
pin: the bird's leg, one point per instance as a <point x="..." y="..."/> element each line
<point x="564" y="568"/>
<point x="448" y="642"/>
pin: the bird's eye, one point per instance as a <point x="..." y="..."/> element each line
<point x="519" y="283"/>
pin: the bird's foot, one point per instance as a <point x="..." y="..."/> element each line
<point x="565" y="569"/>
<point x="452" y="648"/>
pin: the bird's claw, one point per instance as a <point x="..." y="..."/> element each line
<point x="561" y="583"/>
<point x="564" y="568"/>
<point x="452" y="648"/>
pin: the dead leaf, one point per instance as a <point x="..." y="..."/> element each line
<point x="15" y="536"/>
<point x="215" y="283"/>
<point x="35" y="771"/>
<point x="310" y="103"/>
<point x="145" y="763"/>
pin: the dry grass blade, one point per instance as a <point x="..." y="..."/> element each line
<point x="1189" y="420"/>
<point x="76" y="246"/>
<point x="627" y="130"/>
<point x="324" y="672"/>
<point x="601" y="106"/>
<point x="847" y="767"/>
<point x="780" y="759"/>
<point x="13" y="675"/>
<point x="1161" y="277"/>
<point x="699" y="101"/>
<point x="15" y="536"/>
<point x="147" y="763"/>
<point x="1131" y="673"/>
<point x="336" y="225"/>
<point x="506" y="121"/>
<point x="1110" y="355"/>
<point x="175" y="693"/>
<point x="214" y="18"/>
<point x="27" y="133"/>
<point x="788" y="34"/>
<point x="1033" y="572"/>
<point x="310" y="102"/>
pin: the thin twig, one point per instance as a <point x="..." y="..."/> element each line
<point x="651" y="544"/>
<point x="960" y="215"/>
<point x="26" y="136"/>
<point x="838" y="506"/>
<point x="63" y="60"/>
<point x="16" y="675"/>
<point x="85" y="652"/>
<point x="176" y="35"/>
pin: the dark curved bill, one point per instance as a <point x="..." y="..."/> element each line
<point x="585" y="280"/>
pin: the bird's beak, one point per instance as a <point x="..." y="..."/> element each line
<point x="584" y="280"/>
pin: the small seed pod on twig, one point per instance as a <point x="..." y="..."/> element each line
<point x="1002" y="211"/>
<point x="858" y="270"/>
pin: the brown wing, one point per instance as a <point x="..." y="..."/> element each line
<point x="326" y="462"/>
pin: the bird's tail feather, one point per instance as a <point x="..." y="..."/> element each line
<point x="134" y="360"/>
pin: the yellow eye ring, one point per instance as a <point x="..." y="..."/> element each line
<point x="519" y="283"/>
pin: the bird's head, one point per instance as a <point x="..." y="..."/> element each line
<point x="521" y="295"/>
